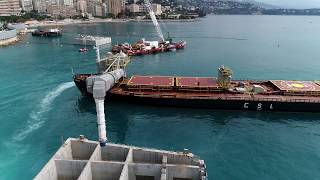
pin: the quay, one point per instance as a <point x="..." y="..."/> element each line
<point x="83" y="159"/>
<point x="8" y="37"/>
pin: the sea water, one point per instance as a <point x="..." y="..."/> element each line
<point x="40" y="106"/>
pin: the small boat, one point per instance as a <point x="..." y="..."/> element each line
<point x="47" y="33"/>
<point x="83" y="49"/>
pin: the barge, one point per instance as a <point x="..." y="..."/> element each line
<point x="144" y="47"/>
<point x="47" y="33"/>
<point x="214" y="92"/>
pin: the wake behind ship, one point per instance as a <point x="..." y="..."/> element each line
<point x="214" y="93"/>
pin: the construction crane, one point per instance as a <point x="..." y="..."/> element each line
<point x="154" y="19"/>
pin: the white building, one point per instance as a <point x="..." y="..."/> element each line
<point x="9" y="7"/>
<point x="41" y="5"/>
<point x="157" y="9"/>
<point x="68" y="2"/>
<point x="82" y="6"/>
<point x="135" y="8"/>
<point x="116" y="7"/>
<point x="27" y="5"/>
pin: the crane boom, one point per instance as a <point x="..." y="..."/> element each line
<point x="154" y="19"/>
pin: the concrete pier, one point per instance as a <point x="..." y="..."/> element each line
<point x="8" y="37"/>
<point x="86" y="160"/>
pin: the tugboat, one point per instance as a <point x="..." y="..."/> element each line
<point x="47" y="33"/>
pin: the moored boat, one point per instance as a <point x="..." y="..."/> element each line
<point x="144" y="47"/>
<point x="215" y="93"/>
<point x="47" y="33"/>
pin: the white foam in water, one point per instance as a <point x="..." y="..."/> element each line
<point x="36" y="119"/>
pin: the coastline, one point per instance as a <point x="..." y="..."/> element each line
<point x="97" y="20"/>
<point x="10" y="41"/>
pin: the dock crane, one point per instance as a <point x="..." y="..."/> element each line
<point x="154" y="19"/>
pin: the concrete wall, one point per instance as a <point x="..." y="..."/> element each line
<point x="143" y="156"/>
<point x="114" y="153"/>
<point x="82" y="150"/>
<point x="144" y="170"/>
<point x="106" y="171"/>
<point x="49" y="172"/>
<point x="67" y="170"/>
<point x="8" y="34"/>
<point x="182" y="172"/>
<point x="86" y="160"/>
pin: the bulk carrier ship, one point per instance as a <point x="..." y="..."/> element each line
<point x="214" y="93"/>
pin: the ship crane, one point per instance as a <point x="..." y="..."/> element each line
<point x="100" y="84"/>
<point x="154" y="20"/>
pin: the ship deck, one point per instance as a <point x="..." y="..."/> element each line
<point x="208" y="88"/>
<point x="299" y="86"/>
<point x="197" y="82"/>
<point x="151" y="81"/>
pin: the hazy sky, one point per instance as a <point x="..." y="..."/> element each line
<point x="294" y="3"/>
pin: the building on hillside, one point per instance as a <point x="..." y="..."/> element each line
<point x="133" y="8"/>
<point x="136" y="8"/>
<point x="57" y="11"/>
<point x="68" y="2"/>
<point x="115" y="7"/>
<point x="96" y="8"/>
<point x="91" y="5"/>
<point x="82" y="6"/>
<point x="174" y="16"/>
<point x="157" y="9"/>
<point x="27" y="5"/>
<point x="99" y="10"/>
<point x="41" y="5"/>
<point x="10" y="7"/>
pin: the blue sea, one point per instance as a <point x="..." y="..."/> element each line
<point x="40" y="105"/>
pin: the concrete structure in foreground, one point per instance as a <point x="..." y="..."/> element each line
<point x="87" y="160"/>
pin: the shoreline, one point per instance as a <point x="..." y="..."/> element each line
<point x="8" y="42"/>
<point x="73" y="22"/>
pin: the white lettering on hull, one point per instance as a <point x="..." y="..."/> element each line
<point x="259" y="106"/>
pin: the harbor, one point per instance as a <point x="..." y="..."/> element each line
<point x="48" y="105"/>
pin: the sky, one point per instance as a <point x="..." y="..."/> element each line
<point x="294" y="3"/>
